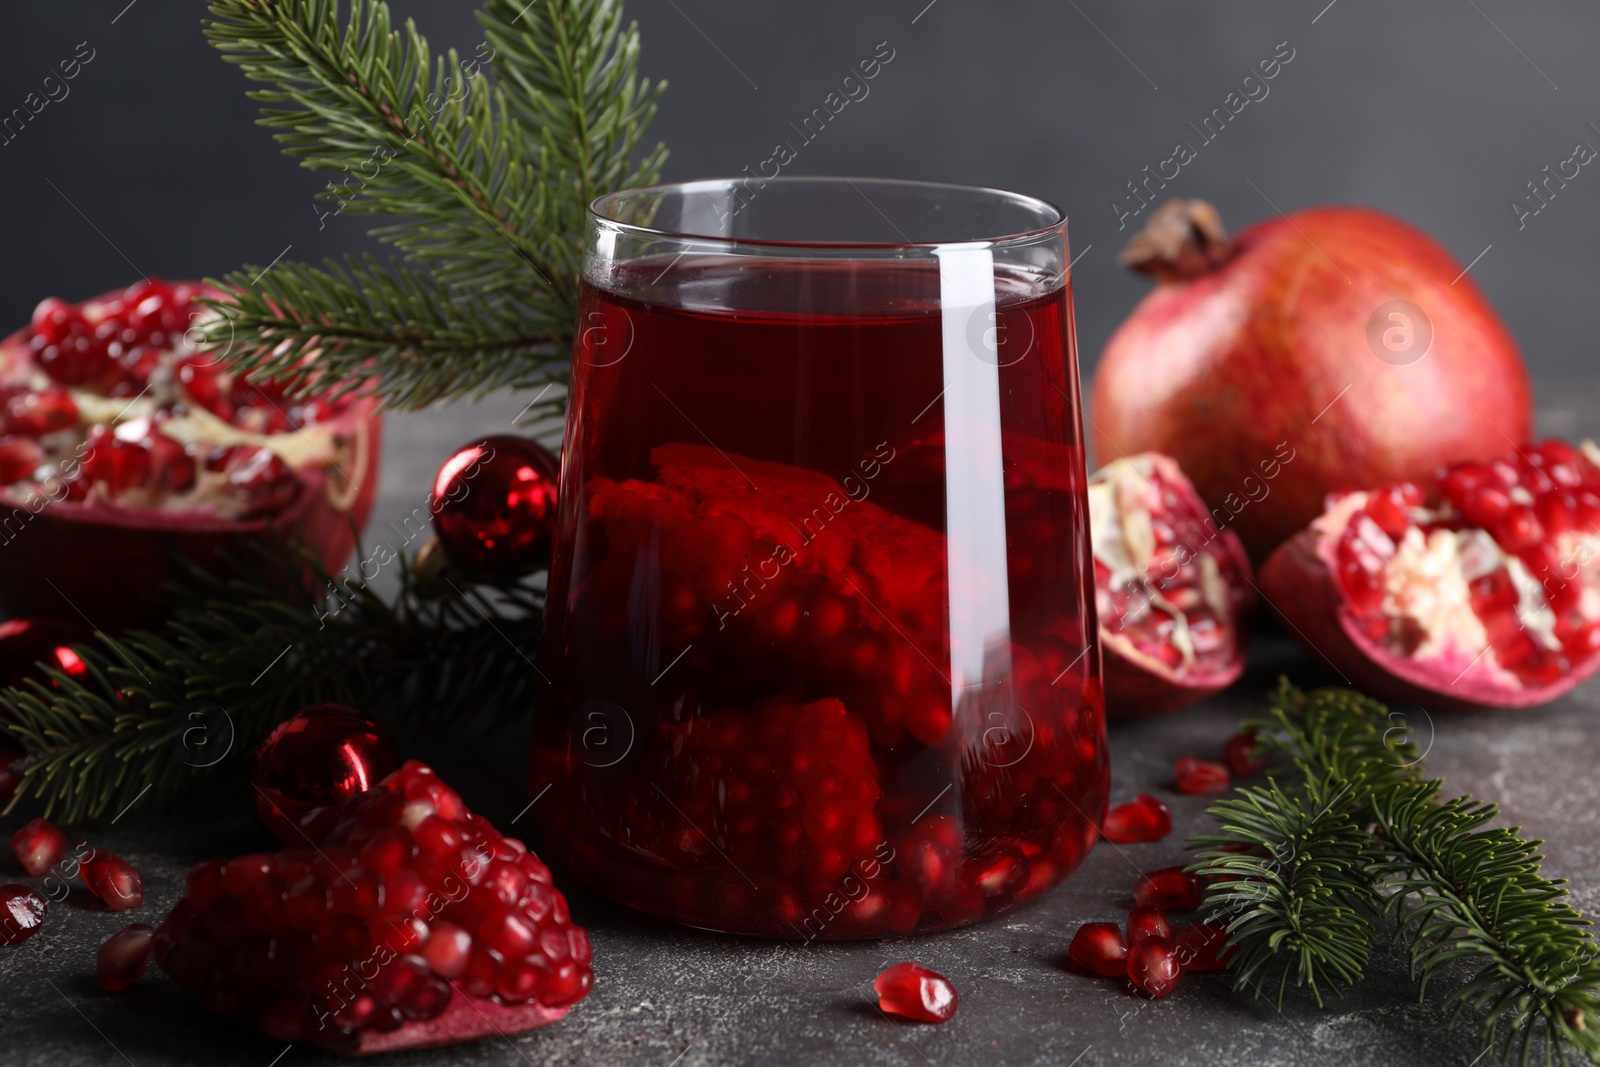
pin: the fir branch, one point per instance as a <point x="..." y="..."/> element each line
<point x="489" y="181"/>
<point x="353" y="94"/>
<point x="1455" y="888"/>
<point x="442" y="653"/>
<point x="422" y="341"/>
<point x="1289" y="882"/>
<point x="574" y="75"/>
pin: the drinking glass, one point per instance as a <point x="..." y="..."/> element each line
<point x="821" y="639"/>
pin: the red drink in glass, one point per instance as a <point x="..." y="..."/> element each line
<point x="820" y="627"/>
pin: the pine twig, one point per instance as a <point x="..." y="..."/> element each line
<point x="1455" y="888"/>
<point x="158" y="711"/>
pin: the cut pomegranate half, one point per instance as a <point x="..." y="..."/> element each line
<point x="121" y="446"/>
<point x="412" y="924"/>
<point x="1483" y="591"/>
<point x="1171" y="589"/>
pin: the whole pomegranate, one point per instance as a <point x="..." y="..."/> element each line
<point x="122" y="447"/>
<point x="1484" y="590"/>
<point x="1334" y="348"/>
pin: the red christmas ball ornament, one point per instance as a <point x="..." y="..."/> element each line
<point x="494" y="505"/>
<point x="318" y="757"/>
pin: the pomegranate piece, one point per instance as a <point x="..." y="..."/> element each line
<point x="1099" y="949"/>
<point x="105" y="412"/>
<point x="112" y="879"/>
<point x="1171" y="590"/>
<point x="413" y="924"/>
<point x="1240" y="754"/>
<point x="1153" y="966"/>
<point x="1147" y="920"/>
<point x="22" y="912"/>
<point x="1197" y="776"/>
<point x="1203" y="947"/>
<point x="1170" y="889"/>
<point x="1481" y="590"/>
<point x="122" y="959"/>
<point x="914" y="992"/>
<point x="1145" y="818"/>
<point x="39" y="845"/>
<point x="1228" y="364"/>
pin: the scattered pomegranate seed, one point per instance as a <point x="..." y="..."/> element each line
<point x="113" y="880"/>
<point x="1100" y="949"/>
<point x="39" y="846"/>
<point x="911" y="990"/>
<point x="1240" y="754"/>
<point x="1200" y="776"/>
<point x="1153" y="966"/>
<point x="122" y="959"/>
<point x="1147" y="920"/>
<point x="1145" y="818"/>
<point x="1201" y="945"/>
<point x="1170" y="888"/>
<point x="21" y="913"/>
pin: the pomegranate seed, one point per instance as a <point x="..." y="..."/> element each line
<point x="1153" y="966"/>
<point x="22" y="912"/>
<point x="122" y="959"/>
<point x="1146" y="818"/>
<point x="911" y="990"/>
<point x="1100" y="949"/>
<point x="1170" y="888"/>
<point x="19" y="458"/>
<point x="39" y="846"/>
<point x="259" y="478"/>
<point x="113" y="880"/>
<point x="53" y="320"/>
<point x="1240" y="755"/>
<point x="1200" y="776"/>
<point x="1147" y="920"/>
<point x="1201" y="947"/>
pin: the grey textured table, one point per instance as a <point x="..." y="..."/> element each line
<point x="666" y="996"/>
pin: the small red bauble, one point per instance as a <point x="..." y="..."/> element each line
<point x="494" y="505"/>
<point x="318" y="757"/>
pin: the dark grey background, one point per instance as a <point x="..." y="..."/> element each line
<point x="1437" y="110"/>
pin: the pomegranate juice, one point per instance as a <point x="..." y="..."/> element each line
<point x="821" y="639"/>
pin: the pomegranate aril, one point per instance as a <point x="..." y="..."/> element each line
<point x="1153" y="966"/>
<point x="122" y="959"/>
<point x="1170" y="888"/>
<point x="1201" y="947"/>
<point x="39" y="846"/>
<point x="113" y="880"/>
<point x="914" y="992"/>
<point x="1147" y="920"/>
<point x="1146" y="818"/>
<point x="448" y="949"/>
<point x="1240" y="754"/>
<point x="1100" y="949"/>
<point x="19" y="458"/>
<point x="1198" y="776"/>
<point x="21" y="913"/>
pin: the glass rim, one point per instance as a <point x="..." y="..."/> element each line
<point x="598" y="207"/>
